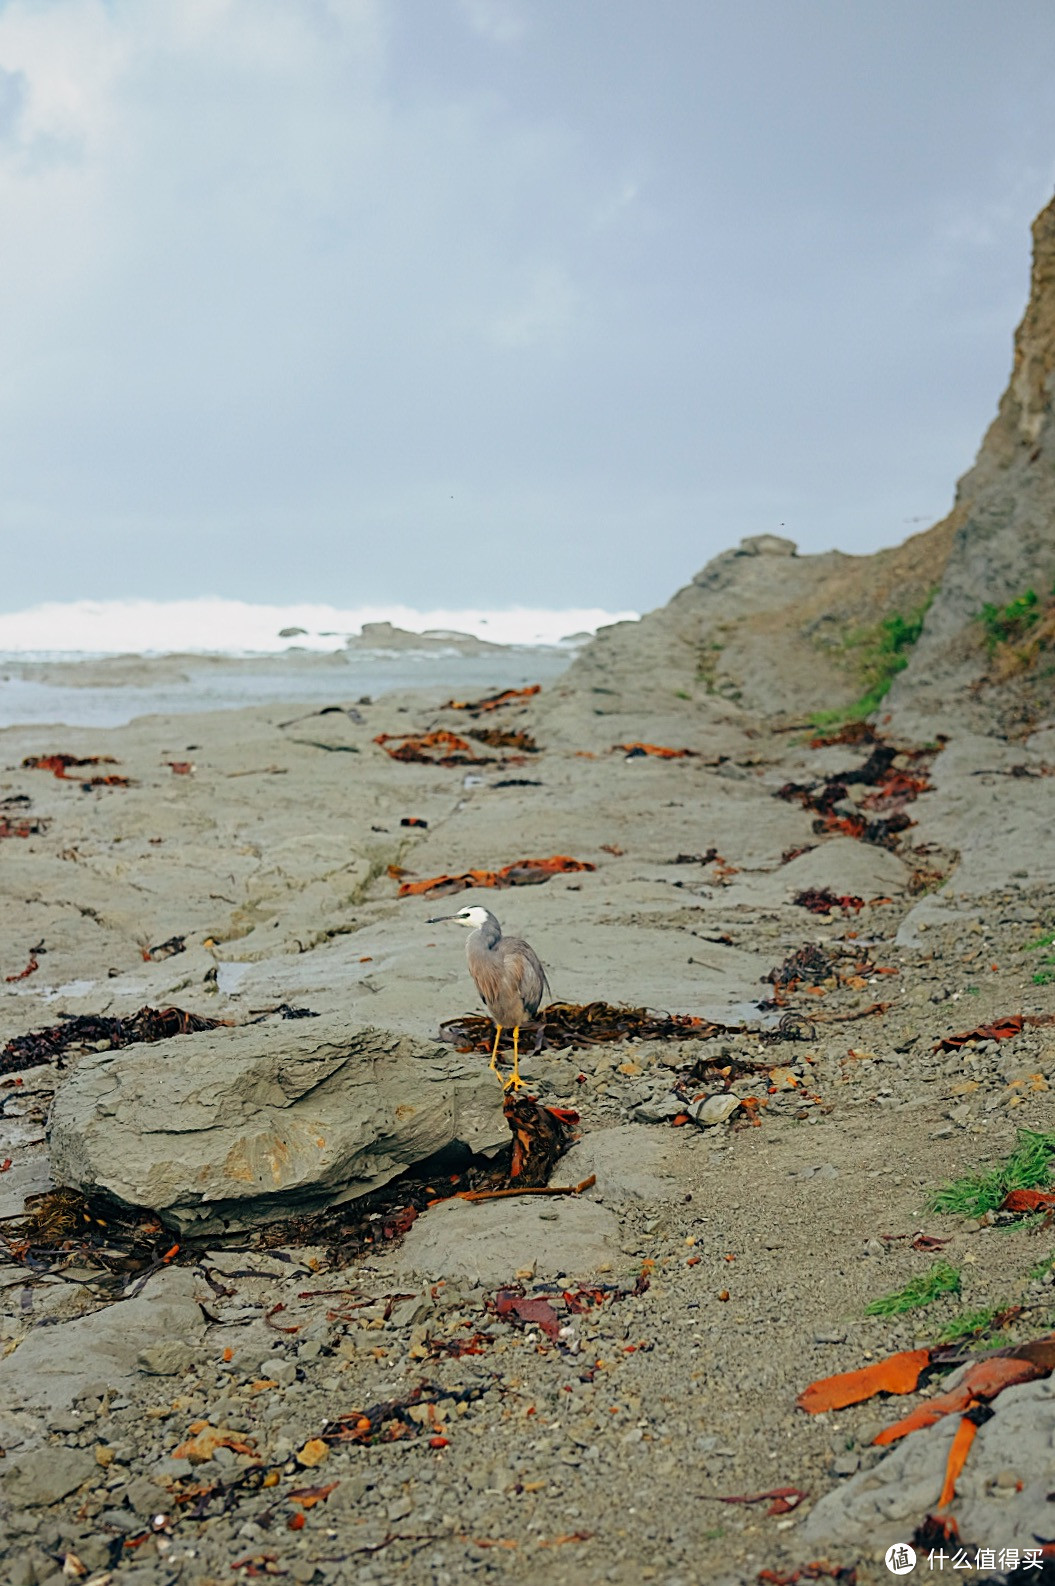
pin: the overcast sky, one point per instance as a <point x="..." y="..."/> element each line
<point x="488" y="302"/>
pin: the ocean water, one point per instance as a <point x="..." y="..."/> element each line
<point x="101" y="664"/>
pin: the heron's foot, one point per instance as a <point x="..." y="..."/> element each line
<point x="514" y="1082"/>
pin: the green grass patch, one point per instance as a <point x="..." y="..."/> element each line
<point x="930" y="1286"/>
<point x="1046" y="973"/>
<point x="880" y="652"/>
<point x="1006" y="624"/>
<point x="972" y="1324"/>
<point x="1030" y="1166"/>
<point x="1042" y="1267"/>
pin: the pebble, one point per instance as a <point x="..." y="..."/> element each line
<point x="714" y="1109"/>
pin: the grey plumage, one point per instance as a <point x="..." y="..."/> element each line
<point x="507" y="973"/>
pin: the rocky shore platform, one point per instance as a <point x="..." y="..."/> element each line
<point x="252" y="1327"/>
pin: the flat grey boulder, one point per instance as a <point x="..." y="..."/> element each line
<point x="232" y="1127"/>
<point x="630" y="1163"/>
<point x="41" y="1478"/>
<point x="489" y="1242"/>
<point x="54" y="1366"/>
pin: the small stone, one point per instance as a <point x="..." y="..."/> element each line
<point x="171" y="1358"/>
<point x="66" y="1421"/>
<point x="104" y="1455"/>
<point x="714" y="1110"/>
<point x="313" y="1453"/>
<point x="659" y="1109"/>
<point x="409" y="1313"/>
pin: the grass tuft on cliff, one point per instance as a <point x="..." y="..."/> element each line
<point x="878" y="654"/>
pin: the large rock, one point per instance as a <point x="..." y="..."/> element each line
<point x="1001" y="520"/>
<point x="237" y="1126"/>
<point x="1001" y="1496"/>
<point x="759" y="628"/>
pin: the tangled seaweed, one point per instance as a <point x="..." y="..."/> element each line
<point x="895" y="788"/>
<point x="430" y="748"/>
<point x="497" y="738"/>
<point x="65" y="1228"/>
<point x="572" y="1024"/>
<point x="31" y="826"/>
<point x="149" y="1024"/>
<point x="391" y="1421"/>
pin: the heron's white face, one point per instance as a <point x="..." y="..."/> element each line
<point x="470" y="918"/>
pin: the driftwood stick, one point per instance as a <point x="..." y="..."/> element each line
<point x="548" y="1189"/>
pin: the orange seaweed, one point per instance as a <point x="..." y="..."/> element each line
<point x="1029" y="1200"/>
<point x="655" y="749"/>
<point x="896" y="1374"/>
<point x="523" y="872"/>
<point x="983" y="1381"/>
<point x="959" y="1449"/>
<point x="493" y="701"/>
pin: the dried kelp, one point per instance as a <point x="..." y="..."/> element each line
<point x="480" y="707"/>
<point x="31" y="967"/>
<point x="1000" y="1030"/>
<point x="59" y="764"/>
<point x="29" y="826"/>
<point x="63" y="1227"/>
<point x="418" y="1412"/>
<point x="895" y="788"/>
<point x="541" y="1135"/>
<point x="430" y="748"/>
<point x="821" y="900"/>
<point x="497" y="738"/>
<point x="571" y="1024"/>
<point x="167" y="949"/>
<point x="521" y="873"/>
<point x="634" y="751"/>
<point x="809" y="963"/>
<point x="149" y="1024"/>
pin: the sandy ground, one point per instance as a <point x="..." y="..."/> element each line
<point x="601" y="1456"/>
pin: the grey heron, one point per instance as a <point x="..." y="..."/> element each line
<point x="507" y="974"/>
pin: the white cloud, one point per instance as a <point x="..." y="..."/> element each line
<point x="498" y="20"/>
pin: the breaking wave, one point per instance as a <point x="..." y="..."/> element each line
<point x="213" y="626"/>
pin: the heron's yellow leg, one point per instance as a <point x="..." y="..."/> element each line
<point x="514" y="1079"/>
<point x="494" y="1055"/>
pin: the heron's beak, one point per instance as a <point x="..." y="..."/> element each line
<point x="438" y="919"/>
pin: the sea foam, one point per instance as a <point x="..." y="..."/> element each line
<point x="216" y="626"/>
